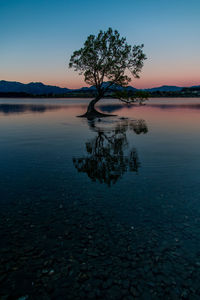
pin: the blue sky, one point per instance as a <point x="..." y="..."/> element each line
<point x="38" y="37"/>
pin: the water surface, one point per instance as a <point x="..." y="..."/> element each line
<point x="107" y="209"/>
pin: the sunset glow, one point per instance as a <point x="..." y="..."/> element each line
<point x="39" y="38"/>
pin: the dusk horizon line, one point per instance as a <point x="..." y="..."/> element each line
<point x="88" y="86"/>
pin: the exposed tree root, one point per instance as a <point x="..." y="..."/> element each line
<point x="93" y="114"/>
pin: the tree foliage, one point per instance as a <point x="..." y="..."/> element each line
<point x="138" y="96"/>
<point x="107" y="57"/>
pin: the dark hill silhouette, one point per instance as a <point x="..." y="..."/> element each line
<point x="34" y="88"/>
<point x="38" y="88"/>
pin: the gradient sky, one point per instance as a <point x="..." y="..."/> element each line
<point x="37" y="38"/>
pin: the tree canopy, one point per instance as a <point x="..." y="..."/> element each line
<point x="107" y="57"/>
<point x="138" y="97"/>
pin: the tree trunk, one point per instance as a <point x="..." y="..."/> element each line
<point x="91" y="105"/>
<point x="92" y="113"/>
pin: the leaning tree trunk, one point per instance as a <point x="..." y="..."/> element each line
<point x="92" y="113"/>
<point x="91" y="105"/>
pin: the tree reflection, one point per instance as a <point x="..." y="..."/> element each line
<point x="108" y="154"/>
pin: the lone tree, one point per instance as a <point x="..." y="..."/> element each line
<point x="107" y="57"/>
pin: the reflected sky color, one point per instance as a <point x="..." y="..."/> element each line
<point x="43" y="136"/>
<point x="38" y="37"/>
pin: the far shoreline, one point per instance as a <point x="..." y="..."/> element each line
<point x="90" y="96"/>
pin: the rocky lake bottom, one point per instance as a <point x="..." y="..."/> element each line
<point x="79" y="251"/>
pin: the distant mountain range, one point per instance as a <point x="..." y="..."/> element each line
<point x="35" y="88"/>
<point x="38" y="88"/>
<point x="165" y="88"/>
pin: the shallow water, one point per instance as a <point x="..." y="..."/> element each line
<point x="106" y="209"/>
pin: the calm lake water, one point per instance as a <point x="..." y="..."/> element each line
<point x="105" y="209"/>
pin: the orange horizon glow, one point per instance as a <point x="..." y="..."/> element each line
<point x="79" y="83"/>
